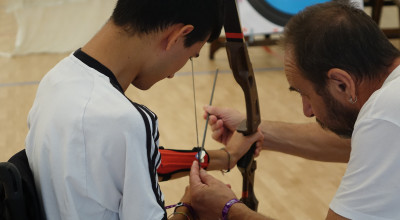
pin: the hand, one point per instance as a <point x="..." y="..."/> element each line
<point x="223" y="122"/>
<point x="208" y="194"/>
<point x="186" y="197"/>
<point x="239" y="144"/>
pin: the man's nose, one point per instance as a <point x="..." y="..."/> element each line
<point x="307" y="109"/>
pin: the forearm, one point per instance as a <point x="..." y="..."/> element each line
<point x="309" y="141"/>
<point x="218" y="160"/>
<point x="240" y="211"/>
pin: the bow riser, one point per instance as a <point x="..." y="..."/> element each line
<point x="244" y="76"/>
<point x="240" y="64"/>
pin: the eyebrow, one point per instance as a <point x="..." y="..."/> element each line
<point x="292" y="89"/>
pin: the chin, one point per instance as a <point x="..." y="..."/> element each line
<point x="346" y="134"/>
<point x="342" y="131"/>
<point x="142" y="86"/>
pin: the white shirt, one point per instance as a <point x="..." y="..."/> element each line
<point x="370" y="188"/>
<point x="92" y="155"/>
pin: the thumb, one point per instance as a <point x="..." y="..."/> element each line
<point x="212" y="110"/>
<point x="206" y="178"/>
<point x="194" y="176"/>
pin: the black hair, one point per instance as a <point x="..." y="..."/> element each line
<point x="337" y="34"/>
<point x="148" y="16"/>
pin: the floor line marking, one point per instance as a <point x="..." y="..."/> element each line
<point x="13" y="84"/>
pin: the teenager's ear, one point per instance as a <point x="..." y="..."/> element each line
<point x="341" y="84"/>
<point x="178" y="32"/>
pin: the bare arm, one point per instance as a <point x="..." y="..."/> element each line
<point x="240" y="211"/>
<point x="237" y="146"/>
<point x="333" y="216"/>
<point x="218" y="161"/>
<point x="309" y="141"/>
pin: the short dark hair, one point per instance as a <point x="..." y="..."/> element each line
<point x="147" y="16"/>
<point x="337" y="34"/>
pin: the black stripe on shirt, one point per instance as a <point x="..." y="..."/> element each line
<point x="93" y="63"/>
<point x="155" y="132"/>
<point x="150" y="158"/>
<point x="144" y="111"/>
<point x="153" y="118"/>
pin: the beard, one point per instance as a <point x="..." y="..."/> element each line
<point x="339" y="118"/>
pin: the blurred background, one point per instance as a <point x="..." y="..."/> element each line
<point x="36" y="34"/>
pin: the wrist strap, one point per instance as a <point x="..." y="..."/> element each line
<point x="179" y="204"/>
<point x="227" y="206"/>
<point x="229" y="161"/>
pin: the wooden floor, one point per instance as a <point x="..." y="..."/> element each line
<point x="287" y="187"/>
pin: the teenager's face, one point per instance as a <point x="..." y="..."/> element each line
<point x="182" y="56"/>
<point x="329" y="112"/>
<point x="166" y="65"/>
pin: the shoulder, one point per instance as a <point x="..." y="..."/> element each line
<point x="384" y="104"/>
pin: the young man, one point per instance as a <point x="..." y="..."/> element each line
<point x="348" y="75"/>
<point x="93" y="152"/>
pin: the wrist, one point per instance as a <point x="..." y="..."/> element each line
<point x="183" y="208"/>
<point x="228" y="161"/>
<point x="227" y="208"/>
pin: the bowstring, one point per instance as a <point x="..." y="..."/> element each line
<point x="199" y="156"/>
<point x="195" y="106"/>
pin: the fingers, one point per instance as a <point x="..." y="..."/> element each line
<point x="260" y="136"/>
<point x="217" y="134"/>
<point x="207" y="112"/>
<point x="238" y="145"/>
<point x="259" y="144"/>
<point x="217" y="128"/>
<point x="194" y="176"/>
<point x="206" y="178"/>
<point x="256" y="137"/>
<point x="211" y="110"/>
<point x="216" y="124"/>
<point x="258" y="149"/>
<point x="212" y="121"/>
<point x="200" y="177"/>
<point x="214" y="111"/>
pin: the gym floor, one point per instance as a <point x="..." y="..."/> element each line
<point x="287" y="187"/>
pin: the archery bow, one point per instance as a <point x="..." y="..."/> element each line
<point x="240" y="64"/>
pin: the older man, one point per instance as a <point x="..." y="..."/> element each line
<point x="348" y="76"/>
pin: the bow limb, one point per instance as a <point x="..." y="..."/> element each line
<point x="240" y="64"/>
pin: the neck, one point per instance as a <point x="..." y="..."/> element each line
<point x="394" y="65"/>
<point x="367" y="87"/>
<point x="118" y="51"/>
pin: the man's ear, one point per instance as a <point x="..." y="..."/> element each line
<point x="178" y="32"/>
<point x="341" y="84"/>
